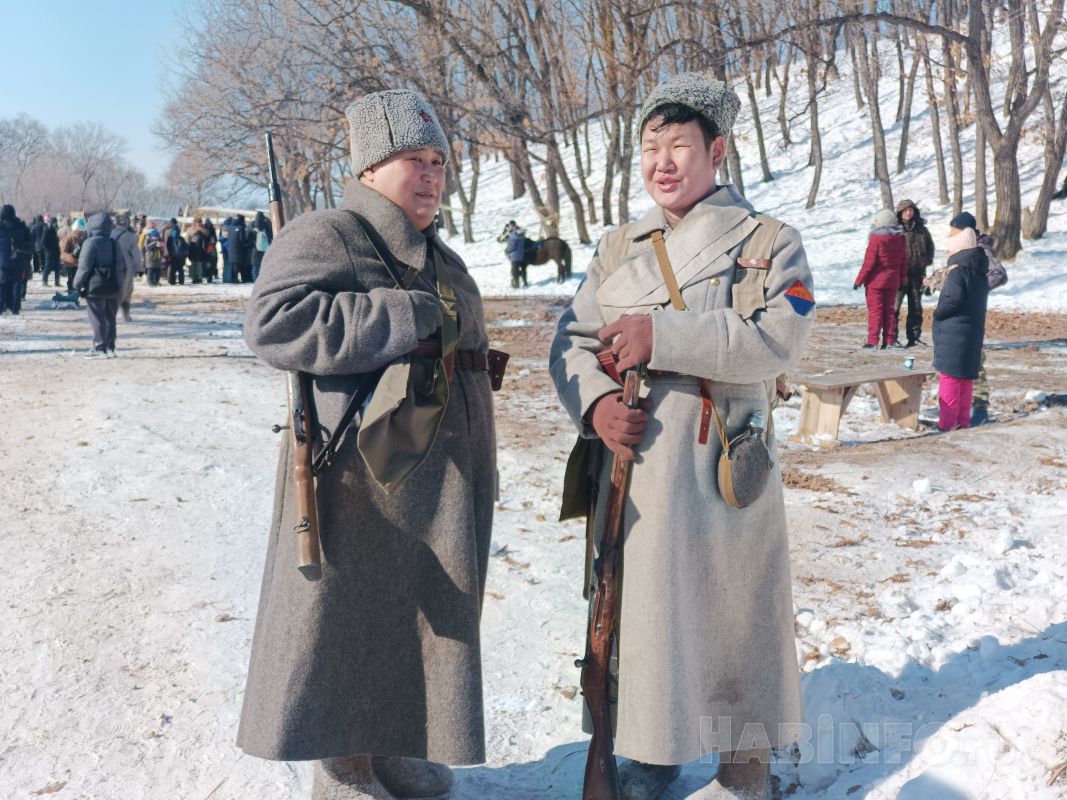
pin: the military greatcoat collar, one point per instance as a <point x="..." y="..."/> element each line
<point x="406" y="242"/>
<point x="707" y="215"/>
<point x="697" y="248"/>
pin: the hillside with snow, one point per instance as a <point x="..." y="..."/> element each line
<point x="835" y="231"/>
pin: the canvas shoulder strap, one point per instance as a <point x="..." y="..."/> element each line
<point x="749" y="290"/>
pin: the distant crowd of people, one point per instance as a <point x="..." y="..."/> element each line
<point x="101" y="260"/>
<point x="899" y="251"/>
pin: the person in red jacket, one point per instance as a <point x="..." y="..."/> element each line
<point x="885" y="270"/>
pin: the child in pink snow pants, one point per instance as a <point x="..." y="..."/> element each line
<point x="959" y="327"/>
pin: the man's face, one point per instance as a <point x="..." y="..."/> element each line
<point x="412" y="179"/>
<point x="677" y="167"/>
<point x="907" y="213"/>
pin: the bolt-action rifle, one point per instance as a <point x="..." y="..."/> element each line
<point x="298" y="391"/>
<point x="601" y="772"/>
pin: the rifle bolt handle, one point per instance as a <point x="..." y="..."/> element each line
<point x="278" y="428"/>
<point x="579" y="663"/>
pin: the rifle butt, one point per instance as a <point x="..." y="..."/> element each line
<point x="601" y="772"/>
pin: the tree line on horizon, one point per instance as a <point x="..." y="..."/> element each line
<point x="526" y="80"/>
<point x="80" y="167"/>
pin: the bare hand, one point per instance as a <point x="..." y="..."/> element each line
<point x="617" y="426"/>
<point x="631" y="340"/>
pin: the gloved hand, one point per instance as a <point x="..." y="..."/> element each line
<point x="855" y="286"/>
<point x="630" y="338"/>
<point x="428" y="313"/>
<point x="617" y="426"/>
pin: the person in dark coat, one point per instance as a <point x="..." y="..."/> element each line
<point x="516" y="250"/>
<point x="50" y="239"/>
<point x="920" y="256"/>
<point x="197" y="247"/>
<point x="885" y="269"/>
<point x="13" y="242"/>
<point x="101" y="269"/>
<point x="211" y="251"/>
<point x="236" y="248"/>
<point x="374" y="671"/>
<point x="242" y="255"/>
<point x="260" y="225"/>
<point x="224" y="248"/>
<point x="37" y="229"/>
<point x="959" y="327"/>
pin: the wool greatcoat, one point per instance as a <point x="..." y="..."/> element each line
<point x="381" y="656"/>
<point x="706" y="641"/>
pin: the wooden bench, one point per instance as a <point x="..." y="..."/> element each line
<point x="826" y="397"/>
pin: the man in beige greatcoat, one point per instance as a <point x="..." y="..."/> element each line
<point x="706" y="657"/>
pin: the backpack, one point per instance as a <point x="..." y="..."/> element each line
<point x="104" y="278"/>
<point x="262" y="241"/>
<point x="179" y="250"/>
<point x="153" y="252"/>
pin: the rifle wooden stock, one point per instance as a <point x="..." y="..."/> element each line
<point x="601" y="772"/>
<point x="298" y="391"/>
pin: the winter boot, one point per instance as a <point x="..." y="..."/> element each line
<point x="640" y="781"/>
<point x="738" y="780"/>
<point x="412" y="777"/>
<point x="346" y="779"/>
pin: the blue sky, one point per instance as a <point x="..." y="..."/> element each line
<point x="101" y="61"/>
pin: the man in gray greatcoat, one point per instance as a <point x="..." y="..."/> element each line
<point x="706" y="657"/>
<point x="374" y="670"/>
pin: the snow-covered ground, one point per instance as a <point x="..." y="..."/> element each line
<point x="930" y="571"/>
<point x="931" y="624"/>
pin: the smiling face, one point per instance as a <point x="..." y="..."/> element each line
<point x="677" y="166"/>
<point x="414" y="180"/>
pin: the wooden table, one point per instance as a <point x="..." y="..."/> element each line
<point x="826" y="397"/>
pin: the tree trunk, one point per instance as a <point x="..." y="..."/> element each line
<point x="1035" y="223"/>
<point x="783" y="86"/>
<point x="952" y="111"/>
<point x="869" y="77"/>
<point x="1006" y="224"/>
<point x="981" y="192"/>
<point x="816" y="139"/>
<point x="902" y="89"/>
<point x="909" y="93"/>
<point x="610" y="160"/>
<point x="518" y="185"/>
<point x="590" y="201"/>
<point x="935" y="131"/>
<point x="543" y="210"/>
<point x="626" y="159"/>
<point x="555" y="161"/>
<point x="856" y="77"/>
<point x="764" y="165"/>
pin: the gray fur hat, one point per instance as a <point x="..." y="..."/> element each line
<point x="711" y="98"/>
<point x="387" y="122"/>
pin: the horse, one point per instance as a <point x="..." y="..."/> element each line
<point x="541" y="251"/>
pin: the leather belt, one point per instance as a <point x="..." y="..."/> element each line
<point x="464" y="359"/>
